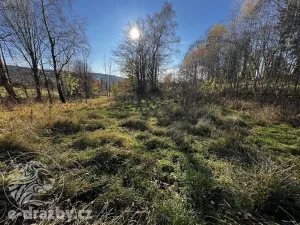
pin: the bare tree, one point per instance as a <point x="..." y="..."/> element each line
<point x="255" y="55"/>
<point x="145" y="56"/>
<point x="161" y="33"/>
<point x="108" y="70"/>
<point x="63" y="37"/>
<point x="290" y="35"/>
<point x="47" y="81"/>
<point x="21" y="20"/>
<point x="82" y="69"/>
<point x="4" y="78"/>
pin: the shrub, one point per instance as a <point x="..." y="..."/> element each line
<point x="156" y="143"/>
<point x="176" y="113"/>
<point x="94" y="125"/>
<point x="193" y="113"/>
<point x="178" y="136"/>
<point x="143" y="136"/>
<point x="106" y="161"/>
<point x="135" y="124"/>
<point x="161" y="132"/>
<point x="178" y="132"/>
<point x="232" y="122"/>
<point x="100" y="138"/>
<point x="65" y="127"/>
<point x="266" y="115"/>
<point x="202" y="128"/>
<point x="208" y="111"/>
<point x="295" y="121"/>
<point x="124" y="97"/>
<point x="163" y="120"/>
<point x="94" y="115"/>
<point x="168" y="113"/>
<point x="231" y="147"/>
<point x="164" y="166"/>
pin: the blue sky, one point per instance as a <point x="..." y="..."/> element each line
<point x="107" y="19"/>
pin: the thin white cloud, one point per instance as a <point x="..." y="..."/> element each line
<point x="180" y="42"/>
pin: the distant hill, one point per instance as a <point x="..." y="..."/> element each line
<point x="23" y="74"/>
<point x="111" y="78"/>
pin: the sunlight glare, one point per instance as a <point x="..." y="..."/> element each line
<point x="134" y="33"/>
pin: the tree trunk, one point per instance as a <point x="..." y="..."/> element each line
<point x="86" y="87"/>
<point x="57" y="77"/>
<point x="53" y="56"/>
<point x="60" y="90"/>
<point x="20" y="85"/>
<point x="5" y="65"/>
<point x="47" y="84"/>
<point x="5" y="82"/>
<point x="37" y="83"/>
<point x="297" y="74"/>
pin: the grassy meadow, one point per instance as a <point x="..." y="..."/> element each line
<point x="155" y="163"/>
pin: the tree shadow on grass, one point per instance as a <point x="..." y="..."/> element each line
<point x="12" y="153"/>
<point x="13" y="149"/>
<point x="204" y="193"/>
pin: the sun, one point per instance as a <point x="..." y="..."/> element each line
<point x="134" y="33"/>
